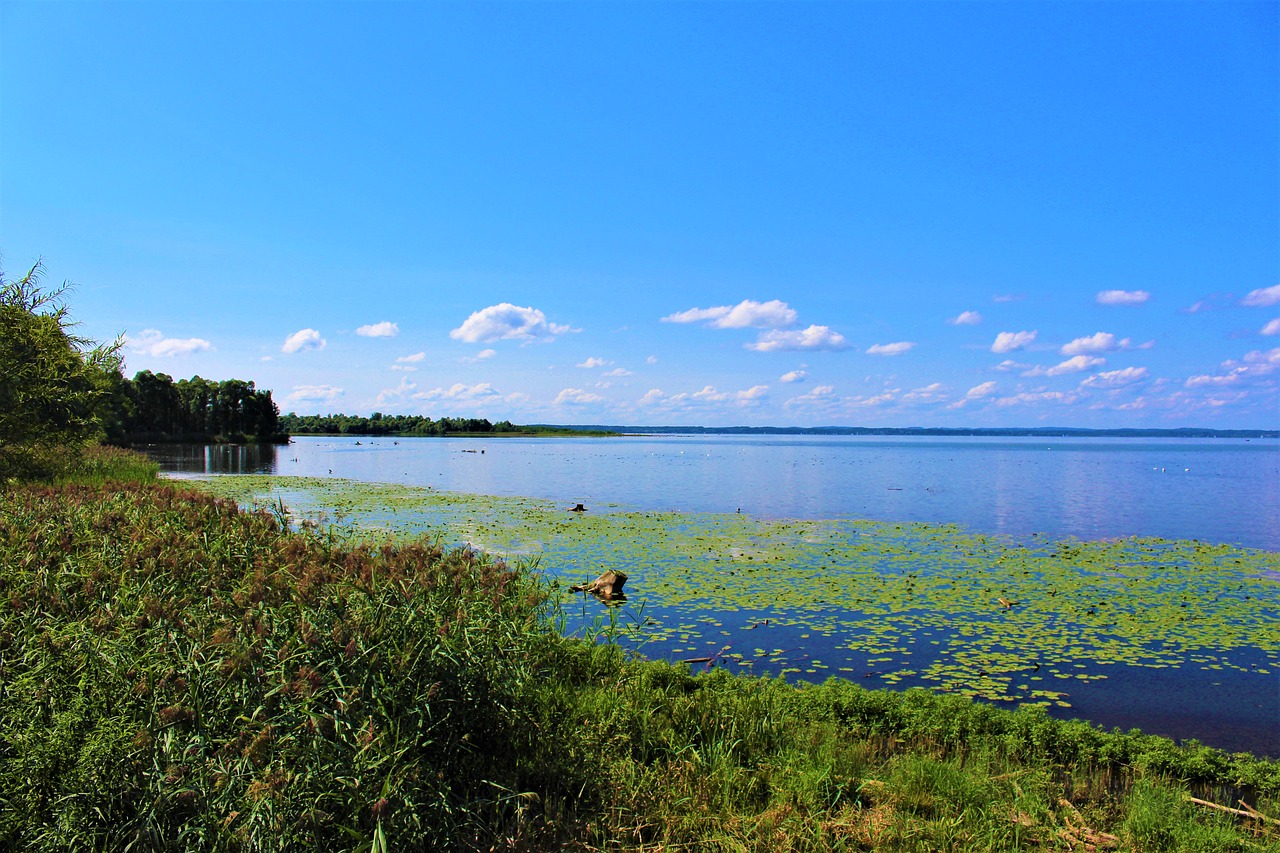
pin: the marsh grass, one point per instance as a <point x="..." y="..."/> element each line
<point x="179" y="674"/>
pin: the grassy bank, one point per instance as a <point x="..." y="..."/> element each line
<point x="176" y="673"/>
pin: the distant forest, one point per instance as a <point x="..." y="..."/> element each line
<point x="153" y="407"/>
<point x="410" y="425"/>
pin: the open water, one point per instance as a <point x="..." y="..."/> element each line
<point x="1216" y="490"/>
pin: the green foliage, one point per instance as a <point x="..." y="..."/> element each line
<point x="156" y="408"/>
<point x="51" y="382"/>
<point x="176" y="673"/>
<point x="414" y="425"/>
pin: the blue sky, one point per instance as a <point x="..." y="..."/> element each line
<point x="882" y="214"/>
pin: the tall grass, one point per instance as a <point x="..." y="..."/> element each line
<point x="178" y="674"/>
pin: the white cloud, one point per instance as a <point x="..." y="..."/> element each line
<point x="1122" y="297"/>
<point x="746" y="314"/>
<point x="313" y="394"/>
<point x="928" y="393"/>
<point x="812" y="338"/>
<point x="1097" y="342"/>
<point x="1075" y="364"/>
<point x="385" y="329"/>
<point x="793" y="376"/>
<point x="751" y="395"/>
<point x="653" y="359"/>
<point x="397" y="394"/>
<point x="653" y="395"/>
<point x="594" y="362"/>
<point x="897" y="348"/>
<point x="460" y="392"/>
<point x="1032" y="397"/>
<point x="577" y="396"/>
<point x="152" y="342"/>
<point x="1010" y="364"/>
<point x="507" y="322"/>
<point x="1262" y="297"/>
<point x="1272" y="328"/>
<point x="966" y="318"/>
<point x="820" y="396"/>
<point x="1008" y="297"/>
<point x="1254" y="364"/>
<point x="303" y="340"/>
<point x="1115" y="378"/>
<point x="619" y="371"/>
<point x="977" y="392"/>
<point x="411" y="359"/>
<point x="1010" y="341"/>
<point x="404" y="368"/>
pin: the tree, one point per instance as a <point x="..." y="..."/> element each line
<point x="52" y="382"/>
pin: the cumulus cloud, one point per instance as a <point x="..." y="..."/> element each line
<point x="820" y="396"/>
<point x="1255" y="364"/>
<point x="812" y="338"/>
<point x="793" y="376"/>
<point x="653" y="395"/>
<point x="577" y="396"/>
<point x="397" y="394"/>
<point x="1262" y="297"/>
<point x="411" y="359"/>
<point x="1011" y="341"/>
<point x="303" y="340"/>
<point x="1097" y="342"/>
<point x="1122" y="297"/>
<point x="480" y="356"/>
<point x="1032" y="397"/>
<point x="505" y="321"/>
<point x="977" y="392"/>
<point x="385" y="329"/>
<point x="313" y="394"/>
<point x="460" y="392"/>
<point x="927" y="394"/>
<point x="152" y="342"/>
<point x="653" y="359"/>
<point x="1010" y="364"/>
<point x="1075" y="364"/>
<point x="966" y="318"/>
<point x="1115" y="378"/>
<point x="1272" y="328"/>
<point x="896" y="348"/>
<point x="594" y="362"/>
<point x="746" y="314"/>
<point x="618" y="371"/>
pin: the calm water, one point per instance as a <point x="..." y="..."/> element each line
<point x="1220" y="491"/>
<point x="1216" y="490"/>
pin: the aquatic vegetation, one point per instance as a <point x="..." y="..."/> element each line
<point x="900" y="604"/>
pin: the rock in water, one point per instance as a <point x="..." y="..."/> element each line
<point x="607" y="587"/>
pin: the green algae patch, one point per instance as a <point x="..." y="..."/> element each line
<point x="905" y="604"/>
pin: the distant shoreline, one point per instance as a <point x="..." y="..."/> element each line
<point x="989" y="432"/>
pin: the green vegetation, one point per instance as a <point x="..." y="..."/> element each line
<point x="414" y="425"/>
<point x="152" y="407"/>
<point x="181" y="674"/>
<point x="53" y="384"/>
<point x="913" y="604"/>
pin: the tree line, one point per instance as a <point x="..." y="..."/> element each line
<point x="153" y="407"/>
<point x="380" y="424"/>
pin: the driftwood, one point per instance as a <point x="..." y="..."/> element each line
<point x="577" y="508"/>
<point x="607" y="587"/>
<point x="1247" y="812"/>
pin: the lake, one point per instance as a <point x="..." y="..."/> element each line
<point x="875" y="559"/>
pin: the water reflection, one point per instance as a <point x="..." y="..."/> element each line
<point x="213" y="458"/>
